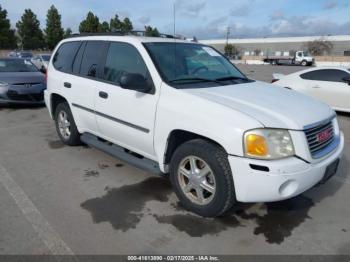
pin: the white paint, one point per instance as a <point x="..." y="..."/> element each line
<point x="41" y="226"/>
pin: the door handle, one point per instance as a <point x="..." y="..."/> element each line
<point x="67" y="85"/>
<point x="316" y="87"/>
<point x="103" y="95"/>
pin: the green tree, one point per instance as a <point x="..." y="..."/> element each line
<point x="104" y="27"/>
<point x="127" y="26"/>
<point x="67" y="33"/>
<point x="115" y="24"/>
<point x="54" y="31"/>
<point x="7" y="35"/>
<point x="150" y="31"/>
<point x="90" y="25"/>
<point x="29" y="31"/>
<point x="229" y="50"/>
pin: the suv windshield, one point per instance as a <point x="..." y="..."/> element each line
<point x="181" y="64"/>
<point x="16" y="65"/>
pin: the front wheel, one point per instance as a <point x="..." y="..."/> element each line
<point x="202" y="179"/>
<point x="65" y="125"/>
<point x="304" y="63"/>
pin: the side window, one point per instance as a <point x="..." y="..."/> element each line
<point x="92" y="58"/>
<point x="64" y="56"/>
<point x="124" y="58"/>
<point x="78" y="58"/>
<point x="331" y="75"/>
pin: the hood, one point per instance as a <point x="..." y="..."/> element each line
<point x="272" y="106"/>
<point x="22" y="77"/>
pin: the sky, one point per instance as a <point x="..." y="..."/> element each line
<point x="205" y="19"/>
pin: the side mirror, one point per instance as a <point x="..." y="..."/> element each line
<point x="135" y="82"/>
<point x="347" y="80"/>
<point x="43" y="70"/>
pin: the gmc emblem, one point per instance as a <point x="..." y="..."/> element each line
<point x="324" y="135"/>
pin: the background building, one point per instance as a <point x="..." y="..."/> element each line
<point x="282" y="46"/>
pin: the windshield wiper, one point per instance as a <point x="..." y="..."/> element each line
<point x="226" y="78"/>
<point x="199" y="79"/>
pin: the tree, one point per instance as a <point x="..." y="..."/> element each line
<point x="7" y="35"/>
<point x="54" y="31"/>
<point x="115" y="24"/>
<point x="229" y="50"/>
<point x="104" y="27"/>
<point x="90" y="25"/>
<point x="29" y="31"/>
<point x="67" y="33"/>
<point x="153" y="32"/>
<point x="127" y="26"/>
<point x="319" y="47"/>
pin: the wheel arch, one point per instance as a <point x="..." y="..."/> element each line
<point x="55" y="100"/>
<point x="178" y="137"/>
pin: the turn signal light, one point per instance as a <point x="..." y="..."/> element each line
<point x="256" y="145"/>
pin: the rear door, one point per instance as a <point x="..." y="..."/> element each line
<point x="78" y="62"/>
<point x="327" y="85"/>
<point x="126" y="117"/>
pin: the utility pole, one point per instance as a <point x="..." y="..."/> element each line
<point x="227" y="34"/>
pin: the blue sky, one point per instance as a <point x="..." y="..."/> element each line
<point x="204" y="18"/>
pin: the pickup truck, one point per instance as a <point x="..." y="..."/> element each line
<point x="300" y="58"/>
<point x="184" y="111"/>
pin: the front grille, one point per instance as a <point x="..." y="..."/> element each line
<point x="13" y="95"/>
<point x="317" y="145"/>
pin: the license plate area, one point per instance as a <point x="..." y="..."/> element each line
<point x="331" y="170"/>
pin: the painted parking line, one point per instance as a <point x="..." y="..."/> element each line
<point x="41" y="226"/>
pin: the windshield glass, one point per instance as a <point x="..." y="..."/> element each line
<point x="46" y="58"/>
<point x="186" y="63"/>
<point x="16" y="65"/>
<point x="26" y="55"/>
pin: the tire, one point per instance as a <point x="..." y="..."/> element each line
<point x="304" y="63"/>
<point x="212" y="158"/>
<point x="71" y="138"/>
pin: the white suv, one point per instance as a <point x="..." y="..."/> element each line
<point x="179" y="108"/>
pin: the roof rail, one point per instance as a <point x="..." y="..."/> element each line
<point x="116" y="33"/>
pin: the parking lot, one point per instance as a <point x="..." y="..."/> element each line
<point x="78" y="200"/>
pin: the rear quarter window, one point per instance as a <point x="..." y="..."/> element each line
<point x="65" y="55"/>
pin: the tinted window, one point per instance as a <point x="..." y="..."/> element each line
<point x="78" y="58"/>
<point x="92" y="57"/>
<point x="332" y="75"/>
<point x="124" y="58"/>
<point x="46" y="57"/>
<point x="64" y="57"/>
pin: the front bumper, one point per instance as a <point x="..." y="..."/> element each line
<point x="32" y="95"/>
<point x="286" y="178"/>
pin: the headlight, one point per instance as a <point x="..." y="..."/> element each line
<point x="268" y="144"/>
<point x="2" y="84"/>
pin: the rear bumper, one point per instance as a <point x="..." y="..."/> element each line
<point x="286" y="178"/>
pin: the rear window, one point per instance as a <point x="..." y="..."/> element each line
<point x="64" y="57"/>
<point x="331" y="75"/>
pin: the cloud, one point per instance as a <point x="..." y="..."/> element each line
<point x="243" y="9"/>
<point x="277" y="15"/>
<point x="333" y="4"/>
<point x="144" y="20"/>
<point x="189" y="8"/>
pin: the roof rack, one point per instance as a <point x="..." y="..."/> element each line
<point x="116" y="33"/>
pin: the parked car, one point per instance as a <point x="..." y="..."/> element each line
<point x="24" y="54"/>
<point x="20" y="82"/>
<point x="182" y="109"/>
<point x="328" y="84"/>
<point x="300" y="58"/>
<point x="41" y="61"/>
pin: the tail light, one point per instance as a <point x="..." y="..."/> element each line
<point x="46" y="76"/>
